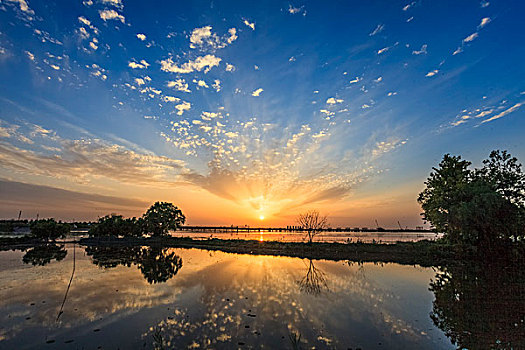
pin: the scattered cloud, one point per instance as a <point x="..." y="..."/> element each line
<point x="377" y="30"/>
<point x="217" y="85"/>
<point x="383" y="50"/>
<point x="111" y="14"/>
<point x="484" y="22"/>
<point x="142" y="65"/>
<point x="257" y="92"/>
<point x="432" y="73"/>
<point x="333" y="100"/>
<point x="179" y="85"/>
<point x="204" y="38"/>
<point x="355" y="80"/>
<point x="251" y="25"/>
<point x="504" y="113"/>
<point x="296" y="10"/>
<point x="141" y="37"/>
<point x="484" y="3"/>
<point x="471" y="37"/>
<point x="230" y="67"/>
<point x="205" y="63"/>
<point x="378" y="80"/>
<point x="181" y="108"/>
<point x="422" y="51"/>
<point x="115" y="3"/>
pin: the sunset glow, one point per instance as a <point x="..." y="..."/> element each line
<point x="239" y="112"/>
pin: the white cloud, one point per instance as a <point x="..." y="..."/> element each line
<point x="142" y="65"/>
<point x="378" y="80"/>
<point x="230" y="67"/>
<point x="202" y="83"/>
<point x="141" y="37"/>
<point x="217" y="85"/>
<point x="355" y="80"/>
<point x="377" y="30"/>
<point x="504" y="113"/>
<point x="202" y="62"/>
<point x="458" y="51"/>
<point x="179" y="84"/>
<point x="384" y="49"/>
<point x="22" y="4"/>
<point x="116" y="3"/>
<point x="257" y="92"/>
<point x="484" y="22"/>
<point x="251" y="25"/>
<point x="296" y="10"/>
<point x="332" y="101"/>
<point x="140" y="81"/>
<point x="30" y="56"/>
<point x="470" y="38"/>
<point x="111" y="14"/>
<point x="184" y="106"/>
<point x="432" y="73"/>
<point x="484" y="3"/>
<point x="204" y="38"/>
<point x="170" y="99"/>
<point x="422" y="51"/>
<point x="93" y="45"/>
<point x="393" y="93"/>
<point x="84" y="21"/>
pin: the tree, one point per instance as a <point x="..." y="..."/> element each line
<point x="312" y="222"/>
<point x="480" y="207"/>
<point x="49" y="229"/>
<point x="116" y="225"/>
<point x="162" y="217"/>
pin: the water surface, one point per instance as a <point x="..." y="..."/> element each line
<point x="141" y="297"/>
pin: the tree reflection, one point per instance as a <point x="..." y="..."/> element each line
<point x="314" y="282"/>
<point x="42" y="255"/>
<point x="156" y="264"/>
<point x="480" y="306"/>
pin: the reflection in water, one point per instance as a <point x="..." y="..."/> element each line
<point x="156" y="264"/>
<point x="42" y="255"/>
<point x="314" y="282"/>
<point x="481" y="306"/>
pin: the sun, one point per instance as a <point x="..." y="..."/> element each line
<point x="261" y="217"/>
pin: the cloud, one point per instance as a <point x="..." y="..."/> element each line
<point x="36" y="198"/>
<point x="484" y="3"/>
<point x="296" y="10"/>
<point x="217" y="85"/>
<point x="85" y="159"/>
<point x="115" y="3"/>
<point x="142" y="65"/>
<point x="181" y="108"/>
<point x="333" y="100"/>
<point x="422" y="51"/>
<point x="432" y="73"/>
<point x="205" y="63"/>
<point x="484" y="22"/>
<point x="257" y="92"/>
<point x="204" y="38"/>
<point x="230" y="67"/>
<point x="504" y="113"/>
<point x="23" y="6"/>
<point x="170" y="99"/>
<point x="383" y="50"/>
<point x="251" y="25"/>
<point x="179" y="85"/>
<point x="111" y="14"/>
<point x="141" y="37"/>
<point x="471" y="37"/>
<point x="377" y="30"/>
<point x="201" y="83"/>
<point x="458" y="51"/>
<point x="355" y="80"/>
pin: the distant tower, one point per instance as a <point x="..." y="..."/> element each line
<point x="19" y="214"/>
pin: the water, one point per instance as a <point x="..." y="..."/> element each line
<point x="154" y="298"/>
<point x="339" y="237"/>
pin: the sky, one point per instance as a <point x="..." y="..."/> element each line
<point x="238" y="110"/>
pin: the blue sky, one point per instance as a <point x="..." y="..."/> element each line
<point x="254" y="108"/>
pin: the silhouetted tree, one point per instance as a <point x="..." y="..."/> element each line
<point x="312" y="222"/>
<point x="158" y="265"/>
<point x="314" y="282"/>
<point x="116" y="225"/>
<point x="483" y="207"/>
<point x="162" y="217"/>
<point x="43" y="254"/>
<point x="49" y="229"/>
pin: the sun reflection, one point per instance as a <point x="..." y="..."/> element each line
<point x="261" y="238"/>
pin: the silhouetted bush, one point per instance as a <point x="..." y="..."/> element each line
<point x="49" y="229"/>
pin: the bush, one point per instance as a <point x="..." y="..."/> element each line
<point x="116" y="225"/>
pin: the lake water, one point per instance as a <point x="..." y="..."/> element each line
<point x="153" y="298"/>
